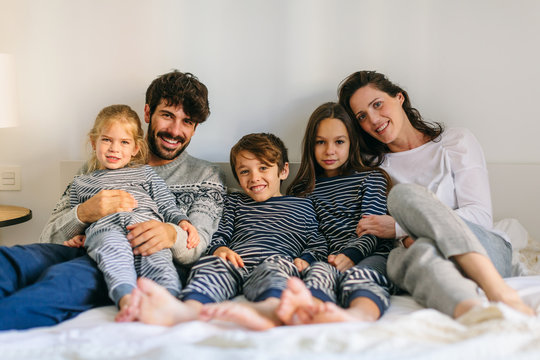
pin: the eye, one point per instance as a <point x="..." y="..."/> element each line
<point x="105" y="139"/>
<point x="319" y="142"/>
<point x="361" y="117"/>
<point x="243" y="172"/>
<point x="340" y="142"/>
<point x="263" y="168"/>
<point x="189" y="122"/>
<point x="377" y="104"/>
<point x="126" y="142"/>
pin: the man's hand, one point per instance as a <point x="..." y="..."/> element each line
<point x="193" y="236"/>
<point x="228" y="255"/>
<point x="104" y="203"/>
<point x="300" y="264"/>
<point x="340" y="262"/>
<point x="151" y="236"/>
<point x="382" y="226"/>
<point x="76" y="242"/>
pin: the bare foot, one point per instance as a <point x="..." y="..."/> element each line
<point x="157" y="306"/>
<point x="296" y="302"/>
<point x="129" y="307"/>
<point x="465" y="306"/>
<point x="244" y="314"/>
<point x="507" y="295"/>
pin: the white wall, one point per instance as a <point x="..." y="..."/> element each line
<point x="267" y="64"/>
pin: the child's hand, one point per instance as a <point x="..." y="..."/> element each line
<point x="193" y="236"/>
<point x="228" y="255"/>
<point x="300" y="264"/>
<point x="75" y="242"/>
<point x="408" y="241"/>
<point x="340" y="262"/>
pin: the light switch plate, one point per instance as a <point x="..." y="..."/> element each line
<point x="10" y="178"/>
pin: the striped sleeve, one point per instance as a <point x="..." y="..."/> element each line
<point x="373" y="202"/>
<point x="163" y="197"/>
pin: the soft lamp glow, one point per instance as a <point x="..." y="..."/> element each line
<point x="8" y="99"/>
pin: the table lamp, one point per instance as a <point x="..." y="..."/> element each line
<point x="9" y="215"/>
<point x="8" y="99"/>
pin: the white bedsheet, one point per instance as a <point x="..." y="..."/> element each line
<point x="406" y="331"/>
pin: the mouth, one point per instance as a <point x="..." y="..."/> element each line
<point x="257" y="188"/>
<point x="329" y="162"/>
<point x="382" y="127"/>
<point x="112" y="158"/>
<point x="170" y="141"/>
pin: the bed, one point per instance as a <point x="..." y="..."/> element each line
<point x="406" y="331"/>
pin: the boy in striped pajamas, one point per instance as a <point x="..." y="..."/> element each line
<point x="117" y="163"/>
<point x="263" y="239"/>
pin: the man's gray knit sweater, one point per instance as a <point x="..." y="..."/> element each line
<point x="198" y="186"/>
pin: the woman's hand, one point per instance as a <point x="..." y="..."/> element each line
<point x="340" y="262"/>
<point x="382" y="226"/>
<point x="193" y="236"/>
<point x="228" y="255"/>
<point x="76" y="242"/>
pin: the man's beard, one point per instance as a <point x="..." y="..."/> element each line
<point x="161" y="151"/>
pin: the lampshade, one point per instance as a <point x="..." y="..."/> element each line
<point x="8" y="98"/>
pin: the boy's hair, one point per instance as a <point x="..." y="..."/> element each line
<point x="177" y="88"/>
<point x="267" y="148"/>
<point x="128" y="117"/>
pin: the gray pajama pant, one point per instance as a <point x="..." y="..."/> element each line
<point x="213" y="279"/>
<point x="365" y="279"/>
<point x="425" y="269"/>
<point x="113" y="254"/>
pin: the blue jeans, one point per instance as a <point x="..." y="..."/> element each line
<point x="44" y="284"/>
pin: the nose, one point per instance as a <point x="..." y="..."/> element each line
<point x="254" y="176"/>
<point x="330" y="149"/>
<point x="175" y="128"/>
<point x="114" y="146"/>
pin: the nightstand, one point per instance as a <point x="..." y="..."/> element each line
<point x="11" y="215"/>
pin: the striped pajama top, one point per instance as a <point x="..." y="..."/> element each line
<point x="340" y="203"/>
<point x="154" y="199"/>
<point x="284" y="225"/>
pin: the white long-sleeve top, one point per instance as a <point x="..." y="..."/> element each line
<point x="454" y="168"/>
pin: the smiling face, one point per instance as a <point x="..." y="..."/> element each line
<point x="259" y="180"/>
<point x="169" y="133"/>
<point x="331" y="146"/>
<point x="379" y="114"/>
<point x="115" y="146"/>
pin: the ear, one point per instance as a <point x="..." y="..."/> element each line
<point x="147" y="113"/>
<point x="136" y="150"/>
<point x="400" y="97"/>
<point x="284" y="172"/>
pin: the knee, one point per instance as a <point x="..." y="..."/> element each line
<point x="402" y="195"/>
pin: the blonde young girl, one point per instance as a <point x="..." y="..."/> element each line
<point x="117" y="163"/>
<point x="343" y="190"/>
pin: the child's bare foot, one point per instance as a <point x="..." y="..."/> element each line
<point x="157" y="306"/>
<point x="330" y="313"/>
<point x="253" y="316"/>
<point x="129" y="307"/>
<point x="295" y="300"/>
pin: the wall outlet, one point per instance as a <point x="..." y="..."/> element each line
<point x="10" y="178"/>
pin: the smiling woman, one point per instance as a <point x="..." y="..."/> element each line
<point x="451" y="166"/>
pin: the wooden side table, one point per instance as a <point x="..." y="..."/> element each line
<point x="11" y="215"/>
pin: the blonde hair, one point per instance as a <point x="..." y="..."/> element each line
<point x="128" y="117"/>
